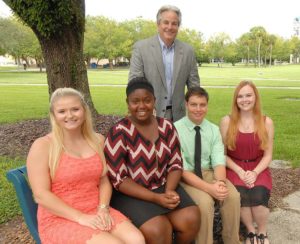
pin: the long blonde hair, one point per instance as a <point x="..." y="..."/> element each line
<point x="56" y="144"/>
<point x="259" y="120"/>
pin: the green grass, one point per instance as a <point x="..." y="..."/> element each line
<point x="284" y="75"/>
<point x="22" y="102"/>
<point x="9" y="206"/>
<point x="23" y="77"/>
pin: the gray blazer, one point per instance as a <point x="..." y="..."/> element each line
<point x="147" y="61"/>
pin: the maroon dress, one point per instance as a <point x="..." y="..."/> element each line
<point x="247" y="155"/>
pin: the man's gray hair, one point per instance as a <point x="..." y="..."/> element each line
<point x="168" y="8"/>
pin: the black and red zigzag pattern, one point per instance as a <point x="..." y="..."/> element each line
<point x="129" y="154"/>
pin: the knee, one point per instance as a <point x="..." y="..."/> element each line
<point x="105" y="239"/>
<point x="234" y="197"/>
<point x="135" y="238"/>
<point x="117" y="241"/>
<point x="158" y="232"/>
<point x="191" y="219"/>
<point x="207" y="207"/>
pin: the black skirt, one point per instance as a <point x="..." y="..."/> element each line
<point x="140" y="211"/>
<point x="251" y="197"/>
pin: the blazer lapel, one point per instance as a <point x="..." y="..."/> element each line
<point x="157" y="56"/>
<point x="178" y="55"/>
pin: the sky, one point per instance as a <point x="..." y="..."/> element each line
<point x="234" y="17"/>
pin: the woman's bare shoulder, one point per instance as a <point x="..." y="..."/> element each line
<point x="41" y="143"/>
<point x="101" y="137"/>
<point x="268" y="121"/>
<point x="269" y="124"/>
<point x="39" y="152"/>
<point x="225" y="120"/>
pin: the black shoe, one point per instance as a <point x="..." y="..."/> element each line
<point x="261" y="238"/>
<point x="251" y="236"/>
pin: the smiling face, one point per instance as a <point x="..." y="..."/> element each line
<point x="69" y="112"/>
<point x="197" y="107"/>
<point x="246" y="98"/>
<point x="168" y="27"/>
<point x="141" y="104"/>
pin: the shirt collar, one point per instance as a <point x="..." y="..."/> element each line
<point x="163" y="45"/>
<point x="190" y="125"/>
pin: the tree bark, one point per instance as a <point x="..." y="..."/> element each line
<point x="65" y="62"/>
<point x="271" y="50"/>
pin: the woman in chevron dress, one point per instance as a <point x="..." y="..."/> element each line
<point x="145" y="166"/>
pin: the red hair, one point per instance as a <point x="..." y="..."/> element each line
<point x="259" y="119"/>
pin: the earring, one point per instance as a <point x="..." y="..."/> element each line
<point x="154" y="112"/>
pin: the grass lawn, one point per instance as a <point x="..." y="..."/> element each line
<point x="284" y="75"/>
<point x="21" y="102"/>
<point x="9" y="207"/>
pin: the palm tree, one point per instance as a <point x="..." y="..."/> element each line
<point x="271" y="39"/>
<point x="258" y="34"/>
<point x="245" y="41"/>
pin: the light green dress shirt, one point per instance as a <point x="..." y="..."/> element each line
<point x="212" y="148"/>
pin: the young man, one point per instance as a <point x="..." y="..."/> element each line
<point x="167" y="63"/>
<point x="204" y="173"/>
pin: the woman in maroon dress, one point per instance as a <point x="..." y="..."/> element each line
<point x="248" y="137"/>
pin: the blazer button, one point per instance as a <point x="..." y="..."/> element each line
<point x="164" y="110"/>
<point x="165" y="97"/>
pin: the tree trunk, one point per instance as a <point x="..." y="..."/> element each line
<point x="64" y="62"/>
<point x="271" y="50"/>
<point x="258" y="52"/>
<point x="111" y="66"/>
<point x="248" y="55"/>
<point x="88" y="62"/>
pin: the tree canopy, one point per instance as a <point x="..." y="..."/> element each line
<point x="59" y="27"/>
<point x="105" y="38"/>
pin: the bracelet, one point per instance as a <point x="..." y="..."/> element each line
<point x="255" y="172"/>
<point x="103" y="206"/>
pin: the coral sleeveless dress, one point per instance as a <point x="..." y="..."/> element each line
<point x="247" y="155"/>
<point x="76" y="183"/>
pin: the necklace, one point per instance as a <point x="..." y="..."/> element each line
<point x="246" y="126"/>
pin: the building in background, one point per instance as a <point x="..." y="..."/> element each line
<point x="297" y="26"/>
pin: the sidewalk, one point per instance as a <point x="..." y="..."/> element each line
<point x="284" y="223"/>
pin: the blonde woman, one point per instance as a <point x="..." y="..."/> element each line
<point x="67" y="173"/>
<point x="248" y="137"/>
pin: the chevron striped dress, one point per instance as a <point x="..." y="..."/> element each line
<point x="129" y="154"/>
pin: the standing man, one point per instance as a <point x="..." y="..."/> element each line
<point x="204" y="174"/>
<point x="167" y="63"/>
